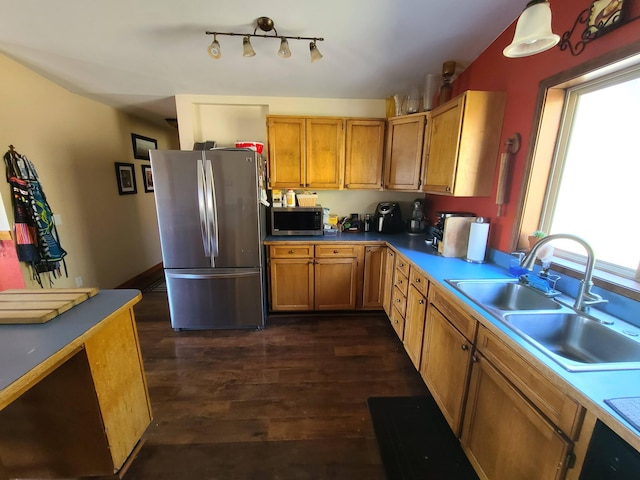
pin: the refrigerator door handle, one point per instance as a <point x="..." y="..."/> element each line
<point x="204" y="224"/>
<point x="213" y="212"/>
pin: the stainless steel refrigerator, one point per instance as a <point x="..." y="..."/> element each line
<point x="212" y="225"/>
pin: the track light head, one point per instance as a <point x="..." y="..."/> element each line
<point x="214" y="49"/>
<point x="315" y="53"/>
<point x="284" y="51"/>
<point x="247" y="49"/>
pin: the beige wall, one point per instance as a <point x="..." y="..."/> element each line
<point x="74" y="142"/>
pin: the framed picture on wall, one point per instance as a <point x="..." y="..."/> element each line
<point x="142" y="145"/>
<point x="126" y="178"/>
<point x="147" y="178"/>
<point x="605" y="15"/>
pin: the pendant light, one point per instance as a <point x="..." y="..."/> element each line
<point x="284" y="50"/>
<point x="533" y="31"/>
<point x="247" y="49"/>
<point x="214" y="49"/>
<point x="315" y="53"/>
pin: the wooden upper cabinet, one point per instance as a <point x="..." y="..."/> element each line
<point x="287" y="152"/>
<point x="325" y="152"/>
<point x="464" y="144"/>
<point x="364" y="152"/>
<point x="403" y="155"/>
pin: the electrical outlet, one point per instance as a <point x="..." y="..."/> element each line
<point x="79" y="282"/>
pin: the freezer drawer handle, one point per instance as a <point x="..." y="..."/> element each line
<point x="201" y="276"/>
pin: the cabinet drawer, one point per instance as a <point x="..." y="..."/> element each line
<point x="397" y="322"/>
<point x="324" y="251"/>
<point x="403" y="265"/>
<point x="401" y="281"/>
<point x="419" y="281"/>
<point x="463" y="322"/>
<point x="291" y="251"/>
<point x="399" y="301"/>
<point x="558" y="407"/>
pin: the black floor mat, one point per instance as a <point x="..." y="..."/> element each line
<point x="415" y="440"/>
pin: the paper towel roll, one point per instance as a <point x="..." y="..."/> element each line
<point x="477" y="247"/>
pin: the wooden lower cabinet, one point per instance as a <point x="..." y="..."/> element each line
<point x="304" y="277"/>
<point x="414" y="325"/>
<point x="390" y="265"/>
<point x="291" y="285"/>
<point x="335" y="283"/>
<point x="504" y="436"/>
<point x="374" y="277"/>
<point x="445" y="366"/>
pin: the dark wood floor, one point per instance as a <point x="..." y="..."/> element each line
<point x="288" y="402"/>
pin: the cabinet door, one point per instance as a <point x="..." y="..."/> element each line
<point x="287" y="143"/>
<point x="364" y="152"/>
<point x="414" y="325"/>
<point x="325" y="153"/>
<point x="335" y="283"/>
<point x="291" y="284"/>
<point x="446" y="125"/>
<point x="504" y="436"/>
<point x="390" y="265"/>
<point x="374" y="277"/>
<point x="445" y="366"/>
<point x="403" y="154"/>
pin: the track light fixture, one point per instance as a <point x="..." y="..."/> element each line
<point x="266" y="25"/>
<point x="533" y="31"/>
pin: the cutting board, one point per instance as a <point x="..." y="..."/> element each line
<point x="455" y="237"/>
<point x="40" y="306"/>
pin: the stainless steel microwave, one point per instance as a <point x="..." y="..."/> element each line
<point x="296" y="220"/>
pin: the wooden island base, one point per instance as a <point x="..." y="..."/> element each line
<point x="82" y="410"/>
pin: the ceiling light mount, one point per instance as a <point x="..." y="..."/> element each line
<point x="265" y="24"/>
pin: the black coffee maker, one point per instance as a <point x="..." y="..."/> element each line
<point x="387" y="218"/>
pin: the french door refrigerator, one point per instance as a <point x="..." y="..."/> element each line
<point x="212" y="225"/>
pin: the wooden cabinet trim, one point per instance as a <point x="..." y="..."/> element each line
<point x="458" y="318"/>
<point x="291" y="251"/>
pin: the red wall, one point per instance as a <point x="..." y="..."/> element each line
<point x="519" y="78"/>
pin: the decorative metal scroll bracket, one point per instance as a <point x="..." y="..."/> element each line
<point x="590" y="32"/>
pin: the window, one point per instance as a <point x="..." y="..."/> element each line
<point x="594" y="183"/>
<point x="582" y="174"/>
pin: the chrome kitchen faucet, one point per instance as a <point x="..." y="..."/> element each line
<point x="585" y="297"/>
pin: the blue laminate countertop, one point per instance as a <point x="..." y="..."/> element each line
<point x="589" y="388"/>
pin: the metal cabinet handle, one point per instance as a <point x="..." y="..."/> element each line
<point x="395" y="321"/>
<point x="464" y="347"/>
<point x="336" y="251"/>
<point x="448" y="189"/>
<point x="401" y="265"/>
<point x="474" y="359"/>
<point x="421" y="301"/>
<point x="399" y="281"/>
<point x="397" y="300"/>
<point x="290" y="252"/>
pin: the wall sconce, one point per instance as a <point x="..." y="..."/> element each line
<point x="266" y="25"/>
<point x="533" y="31"/>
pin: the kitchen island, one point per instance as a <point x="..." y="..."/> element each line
<point x="569" y="402"/>
<point x="73" y="394"/>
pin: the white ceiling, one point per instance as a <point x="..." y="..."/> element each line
<point x="137" y="54"/>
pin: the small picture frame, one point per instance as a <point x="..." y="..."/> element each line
<point x="147" y="178"/>
<point x="604" y="16"/>
<point x="142" y="145"/>
<point x="126" y="178"/>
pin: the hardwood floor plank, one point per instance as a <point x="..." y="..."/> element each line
<point x="288" y="402"/>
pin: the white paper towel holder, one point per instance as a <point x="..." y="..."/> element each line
<point x="473" y="260"/>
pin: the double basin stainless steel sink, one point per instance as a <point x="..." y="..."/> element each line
<point x="577" y="341"/>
